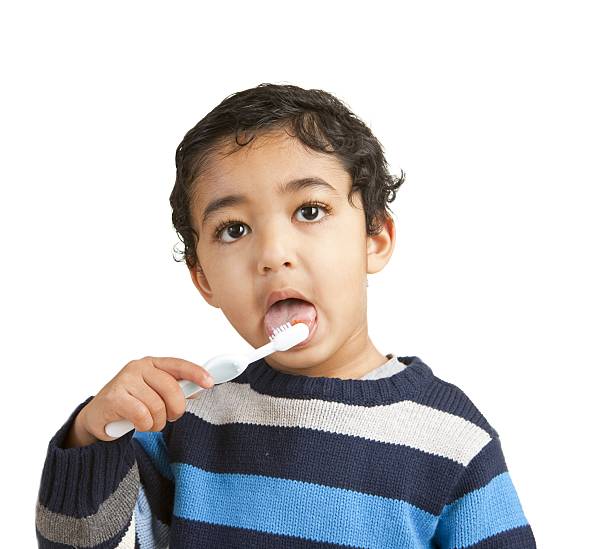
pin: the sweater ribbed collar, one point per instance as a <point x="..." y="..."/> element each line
<point x="403" y="385"/>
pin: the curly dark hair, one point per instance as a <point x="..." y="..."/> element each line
<point x="321" y="122"/>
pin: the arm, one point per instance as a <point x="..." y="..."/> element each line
<point x="483" y="510"/>
<point x="109" y="493"/>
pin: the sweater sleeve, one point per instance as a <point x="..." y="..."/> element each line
<point x="116" y="494"/>
<point x="483" y="510"/>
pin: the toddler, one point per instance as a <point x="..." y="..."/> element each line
<point x="328" y="444"/>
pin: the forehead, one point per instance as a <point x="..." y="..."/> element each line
<point x="269" y="167"/>
<point x="269" y="157"/>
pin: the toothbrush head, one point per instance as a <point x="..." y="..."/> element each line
<point x="289" y="334"/>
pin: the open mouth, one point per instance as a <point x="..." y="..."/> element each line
<point x="312" y="330"/>
<point x="289" y="310"/>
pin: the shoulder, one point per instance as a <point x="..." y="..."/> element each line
<point x="441" y="418"/>
<point x="448" y="415"/>
<point x="448" y="397"/>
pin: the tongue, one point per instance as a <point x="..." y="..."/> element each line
<point x="288" y="310"/>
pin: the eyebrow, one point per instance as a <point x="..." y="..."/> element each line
<point x="292" y="186"/>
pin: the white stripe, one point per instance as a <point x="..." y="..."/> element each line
<point x="128" y="541"/>
<point x="406" y="423"/>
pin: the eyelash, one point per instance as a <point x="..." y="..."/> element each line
<point x="229" y="222"/>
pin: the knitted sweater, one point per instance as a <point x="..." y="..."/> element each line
<point x="276" y="460"/>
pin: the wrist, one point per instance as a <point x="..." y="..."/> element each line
<point x="78" y="436"/>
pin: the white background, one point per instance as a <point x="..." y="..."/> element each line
<point x="500" y="115"/>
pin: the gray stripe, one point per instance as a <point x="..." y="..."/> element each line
<point x="388" y="369"/>
<point x="405" y="422"/>
<point x="112" y="516"/>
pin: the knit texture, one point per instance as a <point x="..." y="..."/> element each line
<point x="275" y="460"/>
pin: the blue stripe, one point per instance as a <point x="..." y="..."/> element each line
<point x="154" y="445"/>
<point x="398" y="473"/>
<point x="482" y="513"/>
<point x="144" y="522"/>
<point x="294" y="508"/>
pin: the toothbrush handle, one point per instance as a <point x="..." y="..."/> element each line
<point x="118" y="428"/>
<point x="256" y="354"/>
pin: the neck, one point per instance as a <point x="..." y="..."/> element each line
<point x="353" y="360"/>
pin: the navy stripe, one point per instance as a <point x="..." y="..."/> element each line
<point x="516" y="538"/>
<point x="75" y="481"/>
<point x="488" y="464"/>
<point x="187" y="533"/>
<point x="355" y="463"/>
<point x="44" y="543"/>
<point x="150" y="532"/>
<point x="403" y="385"/>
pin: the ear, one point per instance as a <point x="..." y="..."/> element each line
<point x="201" y="283"/>
<point x="380" y="247"/>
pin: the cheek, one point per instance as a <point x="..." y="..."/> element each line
<point x="227" y="271"/>
<point x="244" y="319"/>
<point x="344" y="269"/>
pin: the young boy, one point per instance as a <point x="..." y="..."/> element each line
<point x="328" y="444"/>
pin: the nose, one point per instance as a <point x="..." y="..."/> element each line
<point x="275" y="248"/>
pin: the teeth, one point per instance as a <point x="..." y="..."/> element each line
<point x="290" y="299"/>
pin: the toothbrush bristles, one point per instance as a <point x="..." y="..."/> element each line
<point x="282" y="328"/>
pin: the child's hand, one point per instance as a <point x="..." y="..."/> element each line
<point x="145" y="392"/>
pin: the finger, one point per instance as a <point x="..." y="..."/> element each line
<point x="183" y="369"/>
<point x="167" y="387"/>
<point x="153" y="402"/>
<point x="132" y="409"/>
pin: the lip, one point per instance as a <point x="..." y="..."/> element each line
<point x="285" y="293"/>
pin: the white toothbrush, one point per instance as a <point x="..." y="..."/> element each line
<point x="227" y="366"/>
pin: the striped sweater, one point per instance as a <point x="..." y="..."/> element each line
<point x="275" y="460"/>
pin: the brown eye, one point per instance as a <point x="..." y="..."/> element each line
<point x="235" y="233"/>
<point x="310" y="212"/>
<point x="233" y="228"/>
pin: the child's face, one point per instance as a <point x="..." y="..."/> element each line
<point x="276" y="241"/>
